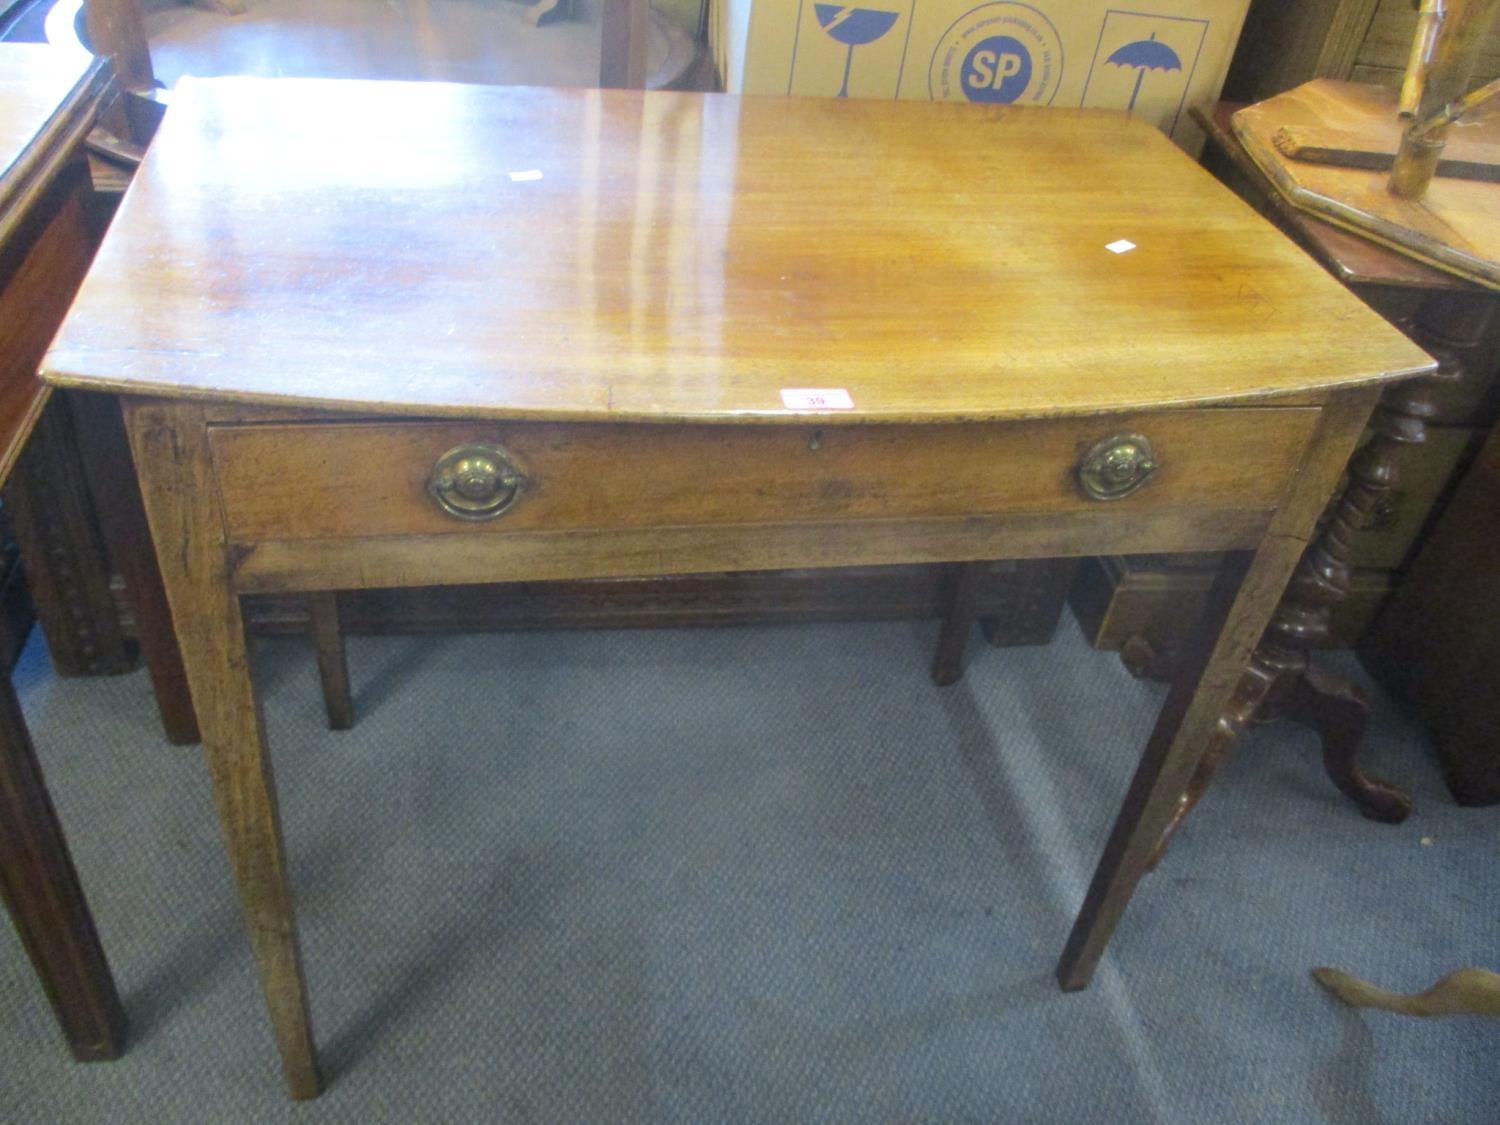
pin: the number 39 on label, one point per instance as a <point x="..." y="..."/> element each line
<point x="817" y="398"/>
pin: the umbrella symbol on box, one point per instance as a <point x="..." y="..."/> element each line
<point x="1144" y="55"/>
<point x="853" y="27"/>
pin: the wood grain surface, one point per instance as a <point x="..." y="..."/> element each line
<point x="687" y="257"/>
<point x="46" y="103"/>
<point x="40" y="889"/>
<point x="280" y="565"/>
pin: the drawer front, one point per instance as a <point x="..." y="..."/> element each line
<point x="323" y="480"/>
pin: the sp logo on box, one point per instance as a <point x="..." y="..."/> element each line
<point x="1000" y="52"/>
<point x="996" y="69"/>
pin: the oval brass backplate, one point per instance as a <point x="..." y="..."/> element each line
<point x="1116" y="466"/>
<point x="476" y="481"/>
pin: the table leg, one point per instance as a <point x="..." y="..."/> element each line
<point x="112" y="479"/>
<point x="1209" y="686"/>
<point x="333" y="660"/>
<point x="1287" y="684"/>
<point x="170" y="445"/>
<point x="45" y="901"/>
<point x="1043" y="586"/>
<point x="958" y="623"/>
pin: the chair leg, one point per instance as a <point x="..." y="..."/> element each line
<point x="333" y="662"/>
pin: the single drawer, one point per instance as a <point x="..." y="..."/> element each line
<point x="322" y="480"/>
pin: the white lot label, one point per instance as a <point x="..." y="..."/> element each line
<point x="817" y="398"/>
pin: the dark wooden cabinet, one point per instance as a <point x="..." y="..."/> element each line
<point x="1436" y="645"/>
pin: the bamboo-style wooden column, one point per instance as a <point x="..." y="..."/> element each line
<point x="1450" y="38"/>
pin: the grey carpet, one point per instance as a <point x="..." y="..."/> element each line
<point x="762" y="874"/>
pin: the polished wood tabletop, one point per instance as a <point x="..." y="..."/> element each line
<point x="587" y="254"/>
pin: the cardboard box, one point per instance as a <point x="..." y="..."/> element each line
<point x="1154" y="58"/>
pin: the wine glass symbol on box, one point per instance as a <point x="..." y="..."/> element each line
<point x="825" y="53"/>
<point x="853" y="27"/>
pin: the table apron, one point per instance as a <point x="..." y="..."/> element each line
<point x="432" y="560"/>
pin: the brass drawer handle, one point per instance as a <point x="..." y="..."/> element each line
<point x="1116" y="466"/>
<point x="476" y="481"/>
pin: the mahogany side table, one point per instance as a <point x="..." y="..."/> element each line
<point x="729" y="333"/>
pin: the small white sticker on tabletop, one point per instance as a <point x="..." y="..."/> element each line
<point x="523" y="177"/>
<point x="817" y="398"/>
<point x="1120" y="246"/>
